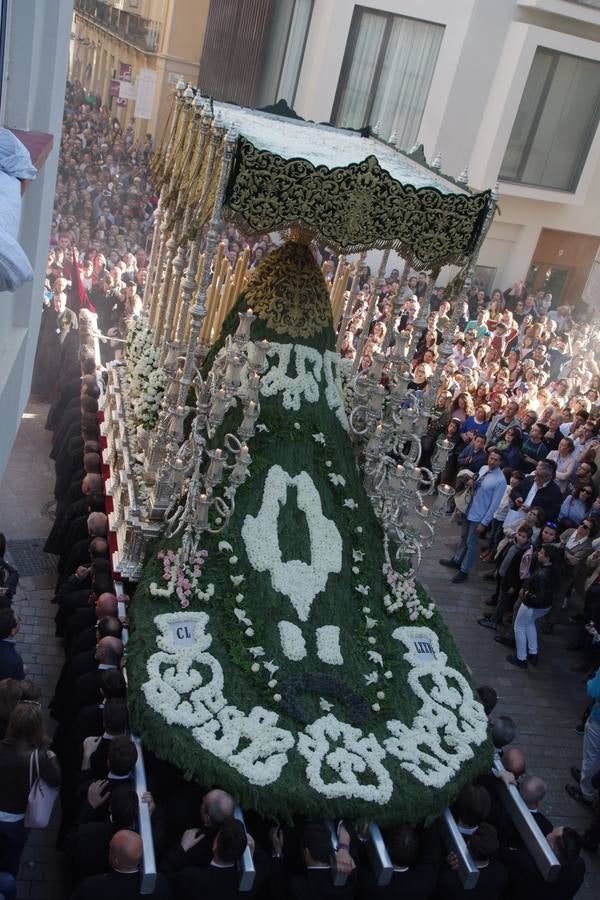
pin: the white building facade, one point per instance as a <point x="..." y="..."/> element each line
<point x="508" y="89"/>
<point x="34" y="43"/>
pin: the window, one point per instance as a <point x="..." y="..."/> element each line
<point x="555" y="123"/>
<point x="285" y="49"/>
<point x="253" y="50"/>
<point x="386" y="74"/>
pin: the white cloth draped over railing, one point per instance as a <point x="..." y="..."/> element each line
<point x="15" y="166"/>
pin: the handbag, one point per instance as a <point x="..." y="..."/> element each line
<point x="463" y="498"/>
<point x="41" y="799"/>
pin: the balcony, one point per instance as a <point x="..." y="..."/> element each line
<point x="141" y="32"/>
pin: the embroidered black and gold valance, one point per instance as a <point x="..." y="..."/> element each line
<point x="352" y="193"/>
<point x="353" y="208"/>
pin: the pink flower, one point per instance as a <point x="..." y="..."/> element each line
<point x="160" y="554"/>
<point x="185" y="603"/>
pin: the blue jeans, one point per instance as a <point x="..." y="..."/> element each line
<point x="12" y="841"/>
<point x="8" y="886"/>
<point x="467" y="550"/>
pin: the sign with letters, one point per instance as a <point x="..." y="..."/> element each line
<point x="183" y="633"/>
<point x="423" y="647"/>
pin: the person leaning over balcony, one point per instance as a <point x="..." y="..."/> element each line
<point x="487" y="494"/>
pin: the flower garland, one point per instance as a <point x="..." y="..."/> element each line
<point x="183" y="581"/>
<point x="403" y="591"/>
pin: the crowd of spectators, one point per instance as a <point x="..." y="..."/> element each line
<point x="519" y="401"/>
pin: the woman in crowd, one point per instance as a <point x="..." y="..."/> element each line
<point x="537" y="596"/>
<point x="24" y="736"/>
<point x="462" y="407"/>
<point x="575" y="507"/>
<point x="477" y="423"/>
<point x="510" y="446"/>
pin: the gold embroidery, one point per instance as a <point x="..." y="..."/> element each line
<point x="288" y="293"/>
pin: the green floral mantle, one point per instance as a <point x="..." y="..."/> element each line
<point x="292" y="664"/>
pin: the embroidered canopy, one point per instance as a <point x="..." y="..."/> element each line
<point x="352" y="192"/>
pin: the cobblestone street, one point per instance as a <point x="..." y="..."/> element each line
<point x="546" y="703"/>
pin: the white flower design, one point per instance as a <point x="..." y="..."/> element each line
<point x="328" y="645"/>
<point x="336" y="753"/>
<point x="450" y="721"/>
<point x="299" y="581"/>
<point x="292" y="641"/>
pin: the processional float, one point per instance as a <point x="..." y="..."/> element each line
<point x="280" y="645"/>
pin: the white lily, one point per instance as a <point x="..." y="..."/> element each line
<point x="375" y="657"/>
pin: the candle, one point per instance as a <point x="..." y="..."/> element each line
<point x="219" y="404"/>
<point x="202" y="511"/>
<point x="232" y="374"/>
<point x="243" y="329"/>
<point x="257" y="354"/>
<point x="215" y="469"/>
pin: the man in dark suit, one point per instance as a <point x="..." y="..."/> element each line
<point x="123" y="879"/>
<point x="416" y="866"/>
<point x="493" y="875"/>
<point x="91" y="502"/>
<point x="195" y="846"/>
<point x="317" y="880"/>
<point x="538" y="489"/>
<point x="68" y="745"/>
<point x="86" y="688"/>
<point x="86" y="846"/>
<point x="525" y="881"/>
<point x="115" y="721"/>
<point x="87" y="615"/>
<point x="107" y="626"/>
<point x="71" y="602"/>
<point x="11" y="664"/>
<point x="120" y="765"/>
<point x="219" y="879"/>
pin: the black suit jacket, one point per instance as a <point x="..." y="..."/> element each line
<point x="209" y="883"/>
<point x="491" y="883"/>
<point x="312" y="884"/>
<point x="11" y="664"/>
<point x="85" y="638"/>
<point x="86" y="848"/>
<point x="417" y="883"/>
<point x="86" y="690"/>
<point x="115" y="886"/>
<point x="526" y="883"/>
<point x="71" y="670"/>
<point x="549" y="497"/>
<point x="197" y="857"/>
<point x="77" y="555"/>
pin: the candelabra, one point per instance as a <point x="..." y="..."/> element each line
<point x="395" y="483"/>
<point x="202" y="481"/>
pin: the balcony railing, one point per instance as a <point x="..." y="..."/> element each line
<point x="143" y="33"/>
